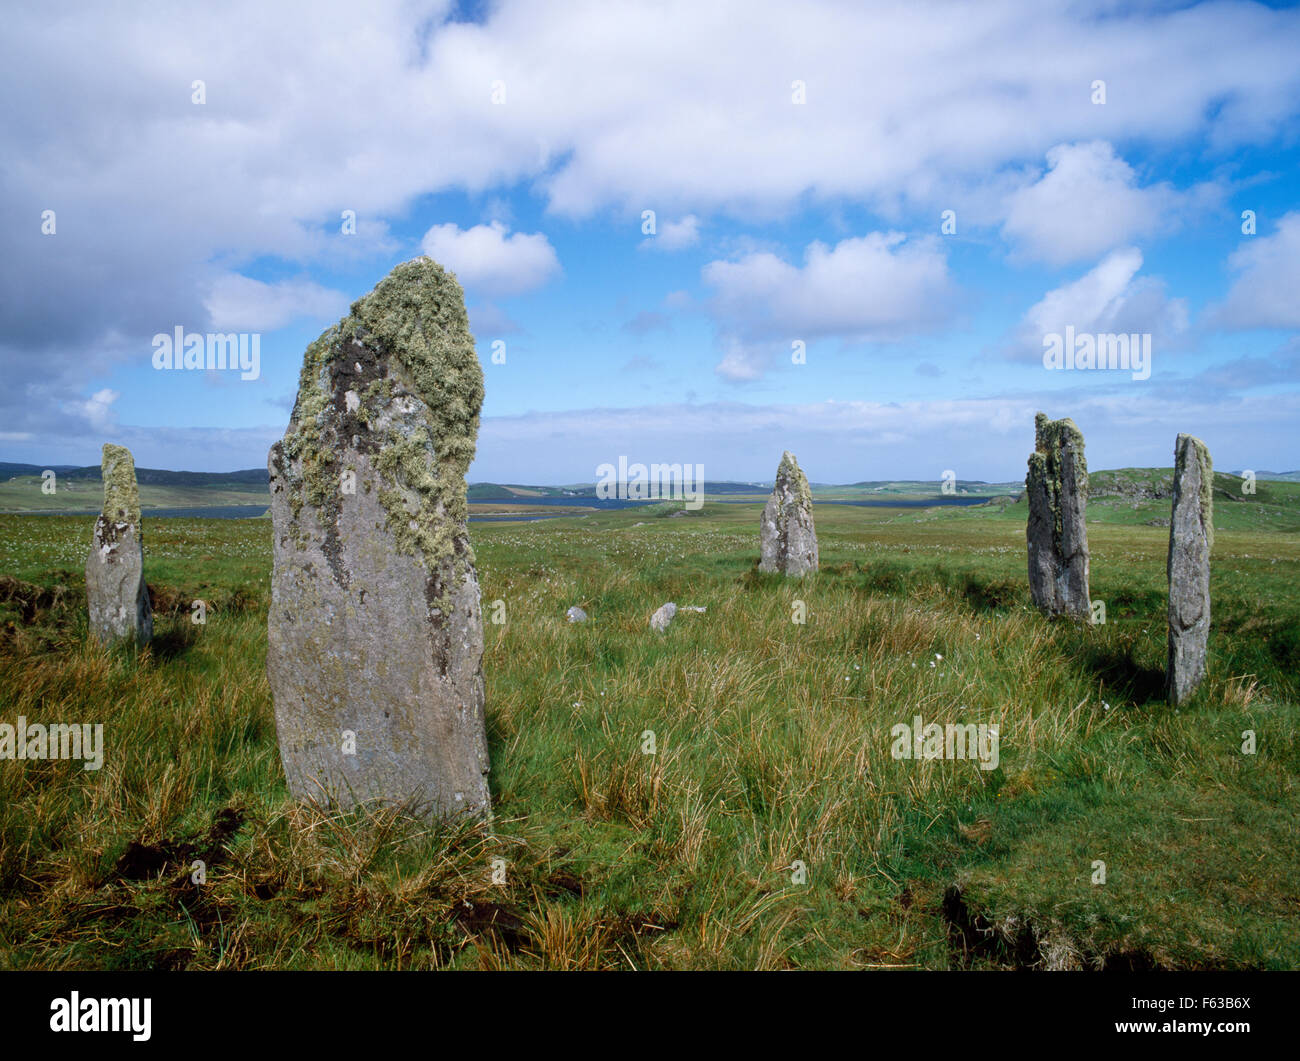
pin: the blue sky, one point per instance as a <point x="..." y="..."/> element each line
<point x="777" y="222"/>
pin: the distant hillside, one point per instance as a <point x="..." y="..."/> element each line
<point x="515" y="491"/>
<point x="1142" y="496"/>
<point x="920" y="488"/>
<point x="1128" y="495"/>
<point x="1277" y="477"/>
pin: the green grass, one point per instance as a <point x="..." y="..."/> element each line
<point x="23" y="493"/>
<point x="772" y="747"/>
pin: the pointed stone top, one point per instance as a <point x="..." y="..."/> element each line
<point x="790" y="472"/>
<point x="121" y="494"/>
<point x="1190" y="447"/>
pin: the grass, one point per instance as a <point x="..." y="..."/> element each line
<point x="772" y="748"/>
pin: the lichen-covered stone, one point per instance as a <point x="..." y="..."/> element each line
<point x="116" y="593"/>
<point x="787" y="537"/>
<point x="1191" y="537"/>
<point x="1057" y="534"/>
<point x="375" y="632"/>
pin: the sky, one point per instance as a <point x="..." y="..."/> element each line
<point x="700" y="232"/>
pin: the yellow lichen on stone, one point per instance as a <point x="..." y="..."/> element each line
<point x="415" y="322"/>
<point x="121" y="493"/>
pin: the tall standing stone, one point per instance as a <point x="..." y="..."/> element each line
<point x="375" y="633"/>
<point x="1191" y="537"/>
<point x="115" y="589"/>
<point x="1057" y="487"/>
<point x="787" y="538"/>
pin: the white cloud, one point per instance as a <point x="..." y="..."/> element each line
<point x="1109" y="298"/>
<point x="96" y="410"/>
<point x="851" y="441"/>
<point x="674" y="235"/>
<point x="1087" y="203"/>
<point x="488" y="261"/>
<point x="877" y="287"/>
<point x="241" y="303"/>
<point x="681" y="105"/>
<point x="1266" y="293"/>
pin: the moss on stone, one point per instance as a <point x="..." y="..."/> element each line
<point x="415" y="322"/>
<point x="790" y="471"/>
<point x="1051" y="438"/>
<point x="121" y="493"/>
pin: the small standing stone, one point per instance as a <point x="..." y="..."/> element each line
<point x="375" y="632"/>
<point x="661" y="618"/>
<point x="787" y="538"/>
<point x="1191" y="537"/>
<point x="115" y="589"/>
<point x="576" y="615"/>
<point x="1057" y="485"/>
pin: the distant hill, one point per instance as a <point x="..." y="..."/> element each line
<point x="1275" y="477"/>
<point x="1143" y="496"/>
<point x="519" y="492"/>
<point x="1126" y="490"/>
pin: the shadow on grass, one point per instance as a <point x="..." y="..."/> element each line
<point x="173" y="640"/>
<point x="1119" y="670"/>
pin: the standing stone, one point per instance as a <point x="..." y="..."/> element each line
<point x="662" y="617"/>
<point x="375" y="633"/>
<point x="1191" y="537"/>
<point x="787" y="539"/>
<point x="115" y="588"/>
<point x="1057" y="486"/>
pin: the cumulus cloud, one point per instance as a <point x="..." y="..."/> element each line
<point x="308" y="114"/>
<point x="878" y="287"/>
<point x="1266" y="292"/>
<point x="1109" y="298"/>
<point x="236" y="302"/>
<point x="488" y="261"/>
<point x="1087" y="203"/>
<point x="97" y="409"/>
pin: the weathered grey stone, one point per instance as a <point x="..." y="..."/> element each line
<point x="787" y="538"/>
<point x="1057" y="485"/>
<point x="115" y="589"/>
<point x="576" y="615"/>
<point x="661" y="618"/>
<point x="375" y="632"/>
<point x="1191" y="537"/>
